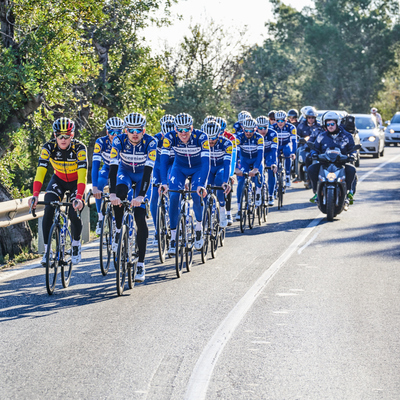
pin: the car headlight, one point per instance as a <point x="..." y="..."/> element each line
<point x="391" y="131"/>
<point x="372" y="138"/>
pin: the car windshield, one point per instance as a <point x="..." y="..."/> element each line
<point x="395" y="119"/>
<point x="365" y="123"/>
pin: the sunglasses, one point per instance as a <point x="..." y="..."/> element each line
<point x="310" y="117"/>
<point x="280" y="120"/>
<point x="134" y="130"/>
<point x="262" y="127"/>
<point x="183" y="130"/>
<point x="114" y="132"/>
<point x="60" y="135"/>
<point x="331" y="124"/>
<point x="249" y="130"/>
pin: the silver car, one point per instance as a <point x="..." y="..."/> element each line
<point x="372" y="138"/>
<point x="392" y="132"/>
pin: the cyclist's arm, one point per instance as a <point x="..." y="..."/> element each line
<point x="205" y="160"/>
<point x="44" y="160"/>
<point x="82" y="171"/>
<point x="114" y="161"/>
<point x="293" y="133"/>
<point x="148" y="167"/>
<point x="165" y="157"/>
<point x="260" y="153"/>
<point x="228" y="161"/>
<point x="96" y="161"/>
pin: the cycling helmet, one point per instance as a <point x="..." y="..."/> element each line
<point x="271" y="114"/>
<point x="64" y="125"/>
<point x="222" y="122"/>
<point x="209" y="118"/>
<point x="167" y="126"/>
<point x="249" y="123"/>
<point x="311" y="112"/>
<point x="280" y="115"/>
<point x="293" y="113"/>
<point x="135" y="120"/>
<point x="374" y="110"/>
<point x="212" y="129"/>
<point x="114" y="123"/>
<point x="183" y="120"/>
<point x="203" y="127"/>
<point x="262" y="121"/>
<point x="331" y="115"/>
<point x="243" y="115"/>
<point x="167" y="117"/>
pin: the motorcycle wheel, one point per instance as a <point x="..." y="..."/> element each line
<point x="330" y="204"/>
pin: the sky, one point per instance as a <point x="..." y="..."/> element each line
<point x="232" y="14"/>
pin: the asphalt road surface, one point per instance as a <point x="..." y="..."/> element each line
<point x="298" y="308"/>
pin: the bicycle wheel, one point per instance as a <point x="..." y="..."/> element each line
<point x="105" y="243"/>
<point x="122" y="259"/>
<point x="264" y="203"/>
<point x="65" y="259"/>
<point x="280" y="190"/>
<point x="206" y="234"/>
<point x="251" y="208"/>
<point x="180" y="245"/>
<point x="52" y="258"/>
<point x="215" y="230"/>
<point x="161" y="230"/>
<point x="243" y="208"/>
<point x="189" y="243"/>
<point x="221" y="236"/>
<point x="259" y="214"/>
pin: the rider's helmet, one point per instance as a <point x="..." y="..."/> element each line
<point x="262" y="121"/>
<point x="135" y="120"/>
<point x="209" y="118"/>
<point x="331" y="115"/>
<point x="114" y="123"/>
<point x="167" y="117"/>
<point x="212" y="129"/>
<point x="311" y="112"/>
<point x="167" y="126"/>
<point x="374" y="110"/>
<point x="222" y="122"/>
<point x="64" y="125"/>
<point x="271" y="114"/>
<point x="243" y="115"/>
<point x="249" y="123"/>
<point x="293" y="113"/>
<point x="183" y="120"/>
<point x="304" y="110"/>
<point x="280" y="115"/>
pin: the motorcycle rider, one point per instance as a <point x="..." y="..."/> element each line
<point x="334" y="136"/>
<point x="293" y="116"/>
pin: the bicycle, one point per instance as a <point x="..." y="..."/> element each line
<point x="247" y="202"/>
<point x="162" y="225"/>
<point x="59" y="246"/>
<point x="262" y="210"/>
<point x="212" y="231"/>
<point x="280" y="180"/>
<point x="127" y="254"/>
<point x="184" y="233"/>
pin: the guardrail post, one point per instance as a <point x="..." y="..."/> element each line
<point x="40" y="236"/>
<point x="85" y="217"/>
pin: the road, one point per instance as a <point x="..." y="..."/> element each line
<point x="298" y="308"/>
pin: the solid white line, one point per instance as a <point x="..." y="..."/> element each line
<point x="365" y="176"/>
<point x="202" y="372"/>
<point x="299" y="251"/>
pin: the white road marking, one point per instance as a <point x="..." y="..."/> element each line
<point x="365" y="176"/>
<point x="299" y="251"/>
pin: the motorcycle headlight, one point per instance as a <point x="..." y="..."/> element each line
<point x="331" y="176"/>
<point x="372" y="138"/>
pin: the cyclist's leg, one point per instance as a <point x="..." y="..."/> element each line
<point x="154" y="195"/>
<point x="288" y="161"/>
<point x="76" y="226"/>
<point x="102" y="181"/>
<point x="219" y="180"/>
<point x="142" y="232"/>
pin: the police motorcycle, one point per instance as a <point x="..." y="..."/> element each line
<point x="331" y="189"/>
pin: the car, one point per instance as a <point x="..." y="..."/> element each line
<point x="392" y="131"/>
<point x="371" y="136"/>
<point x="356" y="137"/>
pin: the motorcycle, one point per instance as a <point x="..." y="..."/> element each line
<point x="332" y="189"/>
<point x="300" y="162"/>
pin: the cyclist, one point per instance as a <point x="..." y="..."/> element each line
<point x="374" y="112"/>
<point x="131" y="163"/>
<point x="334" y="136"/>
<point x="250" y="151"/>
<point x="287" y="139"/>
<point x="237" y="126"/>
<point x="270" y="154"/>
<point x="167" y="125"/>
<point x="271" y="118"/>
<point x="101" y="152"/>
<point x="293" y="116"/>
<point x="68" y="159"/>
<point x="192" y="159"/>
<point x="221" y="150"/>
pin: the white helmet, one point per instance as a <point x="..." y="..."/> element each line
<point x="114" y="123"/>
<point x="135" y="120"/>
<point x="262" y="121"/>
<point x="280" y="115"/>
<point x="209" y="118"/>
<point x="167" y="126"/>
<point x="243" y="115"/>
<point x="374" y="110"/>
<point x="304" y="110"/>
<point x="249" y="123"/>
<point x="212" y="129"/>
<point x="183" y="120"/>
<point x="331" y="115"/>
<point x="167" y="117"/>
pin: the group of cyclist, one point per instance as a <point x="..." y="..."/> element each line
<point x="140" y="167"/>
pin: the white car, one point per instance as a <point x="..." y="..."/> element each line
<point x="372" y="138"/>
<point x="392" y="132"/>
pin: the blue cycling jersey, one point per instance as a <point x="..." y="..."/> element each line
<point x="237" y="128"/>
<point x="221" y="155"/>
<point x="160" y="139"/>
<point x="271" y="147"/>
<point x="101" y="152"/>
<point x="194" y="155"/>
<point x="286" y="135"/>
<point x="249" y="150"/>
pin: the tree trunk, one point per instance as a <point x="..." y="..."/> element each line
<point x="14" y="237"/>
